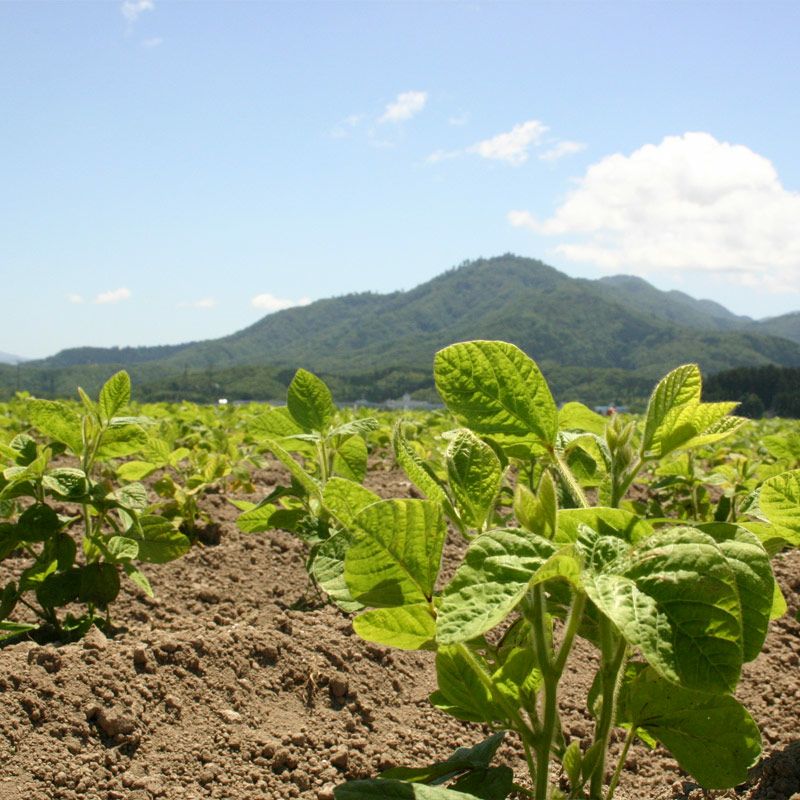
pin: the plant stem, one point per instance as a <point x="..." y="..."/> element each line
<point x="620" y="488"/>
<point x="573" y="623"/>
<point x="550" y="692"/>
<point x="322" y="457"/>
<point x="620" y="763"/>
<point x="569" y="479"/>
<point x="614" y="651"/>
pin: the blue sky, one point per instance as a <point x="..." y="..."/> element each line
<point x="174" y="170"/>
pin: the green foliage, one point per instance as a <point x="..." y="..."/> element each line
<point x="51" y="509"/>
<point x="674" y="606"/>
<point x="326" y="458"/>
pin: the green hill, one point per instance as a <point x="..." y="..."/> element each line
<point x="602" y="334"/>
<point x="786" y="326"/>
<point x="672" y="306"/>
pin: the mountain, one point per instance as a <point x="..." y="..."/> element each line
<point x="786" y="326"/>
<point x="8" y="358"/>
<point x="672" y="306"/>
<point x="603" y="334"/>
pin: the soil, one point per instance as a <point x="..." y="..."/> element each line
<point x="236" y="683"/>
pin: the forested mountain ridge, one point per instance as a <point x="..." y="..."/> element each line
<point x="569" y="325"/>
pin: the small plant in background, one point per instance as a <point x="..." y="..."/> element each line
<point x="326" y="457"/>
<point x="73" y="527"/>
<point x="673" y="610"/>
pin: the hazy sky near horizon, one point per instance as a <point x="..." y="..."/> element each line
<point x="175" y="170"/>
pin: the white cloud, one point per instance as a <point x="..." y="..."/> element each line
<point x="561" y="149"/>
<point x="268" y="302"/>
<point x="405" y="106"/>
<point x="204" y="303"/>
<point x="512" y="146"/>
<point x="689" y="203"/>
<point x="344" y="128"/>
<point x="459" y="119"/>
<point x="75" y="298"/>
<point x="155" y="41"/>
<point x="113" y="296"/>
<point x="131" y="9"/>
<point x="443" y="155"/>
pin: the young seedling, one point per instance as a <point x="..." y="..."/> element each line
<point x="672" y="610"/>
<point x="333" y="464"/>
<point x="57" y="508"/>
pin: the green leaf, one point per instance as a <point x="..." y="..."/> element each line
<point x="711" y="735"/>
<point x="462" y="693"/>
<point x="37" y="523"/>
<point x="577" y="417"/>
<point x="133" y="496"/>
<point x="66" y="482"/>
<point x="408" y="627"/>
<point x="8" y="599"/>
<point x="713" y="424"/>
<point x="136" y="470"/>
<point x="59" y="588"/>
<point x="115" y="395"/>
<point x="138" y="578"/>
<point x="310" y="402"/>
<point x="774" y="538"/>
<point x="88" y="404"/>
<point x="784" y="446"/>
<point x="350" y="460"/>
<point x="475" y="475"/>
<point x="8" y="629"/>
<point x="380" y="789"/>
<point x="295" y="470"/>
<point x="494" y="783"/>
<point x="256" y="520"/>
<point x="274" y="423"/>
<point x="24" y="449"/>
<point x="696" y="424"/>
<point x="518" y="679"/>
<point x="779" y="502"/>
<point x="527" y="511"/>
<point x="606" y="521"/>
<point x="57" y="420"/>
<point x="158" y="540"/>
<point x="122" y="441"/>
<point x="477" y="757"/>
<point x="497" y="569"/>
<point x="64" y="550"/>
<point x="99" y="584"/>
<point x="499" y="392"/>
<point x="417" y="470"/>
<point x="327" y="569"/>
<point x="345" y="499"/>
<point x="356" y="427"/>
<point x="779" y="607"/>
<point x="9" y="540"/>
<point x="122" y="548"/>
<point x="573" y="762"/>
<point x="679" y="388"/>
<point x="752" y="569"/>
<point x="397" y="552"/>
<point x="677" y="601"/>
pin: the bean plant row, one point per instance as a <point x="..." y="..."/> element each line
<point x="649" y="538"/>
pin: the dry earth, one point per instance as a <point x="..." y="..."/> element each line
<point x="219" y="689"/>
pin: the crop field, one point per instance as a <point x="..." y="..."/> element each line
<point x="501" y="599"/>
